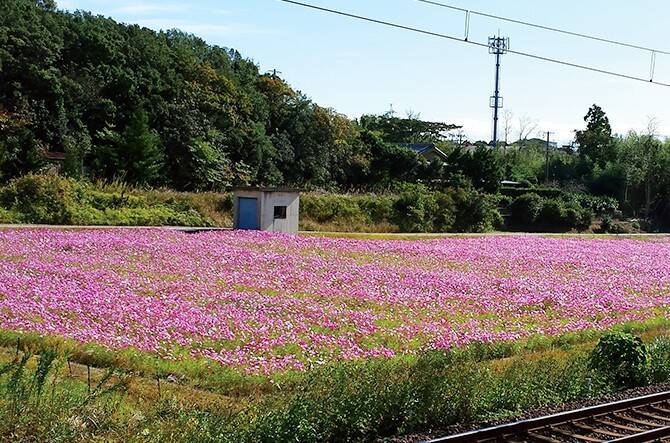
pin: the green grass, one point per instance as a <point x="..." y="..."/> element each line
<point x="209" y="375"/>
<point x="41" y="398"/>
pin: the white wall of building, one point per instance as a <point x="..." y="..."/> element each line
<point x="266" y="201"/>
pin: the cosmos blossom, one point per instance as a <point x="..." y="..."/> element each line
<point x="266" y="302"/>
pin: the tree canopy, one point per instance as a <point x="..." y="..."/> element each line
<point x="166" y="108"/>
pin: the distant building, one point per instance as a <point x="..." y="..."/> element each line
<point x="54" y="156"/>
<point x="511" y="183"/>
<point x="427" y="150"/>
<point x="266" y="209"/>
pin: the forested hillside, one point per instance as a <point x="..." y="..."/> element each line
<point x="101" y="101"/>
<point x="166" y="109"/>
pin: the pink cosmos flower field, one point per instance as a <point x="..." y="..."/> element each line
<point x="265" y="302"/>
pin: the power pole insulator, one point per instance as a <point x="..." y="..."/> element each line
<point x="497" y="46"/>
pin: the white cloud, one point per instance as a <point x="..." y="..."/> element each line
<point x="208" y="29"/>
<point x="145" y="8"/>
<point x="139" y="8"/>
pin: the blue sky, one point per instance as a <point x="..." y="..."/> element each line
<point x="359" y="68"/>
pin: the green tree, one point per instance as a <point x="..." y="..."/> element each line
<point x="134" y="155"/>
<point x="211" y="169"/>
<point x="595" y="142"/>
<point x="76" y="146"/>
<point x="406" y="130"/>
<point x="140" y="151"/>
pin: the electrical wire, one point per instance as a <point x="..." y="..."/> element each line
<point x="458" y="39"/>
<point x="546" y="28"/>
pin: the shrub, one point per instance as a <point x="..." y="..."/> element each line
<point x="41" y="198"/>
<point x="346" y="212"/>
<point x="414" y="209"/>
<point x="622" y="357"/>
<point x="525" y="209"/>
<point x="531" y="210"/>
<point x="9" y="216"/>
<point x="476" y="212"/>
<point x="607" y="224"/>
<point x="52" y="199"/>
<point x="551" y="213"/>
<point x="575" y="216"/>
<point x="659" y="361"/>
<point x="452" y="210"/>
<point x="445" y="212"/>
<point x="600" y="205"/>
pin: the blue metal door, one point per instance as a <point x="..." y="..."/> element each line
<point x="247" y="213"/>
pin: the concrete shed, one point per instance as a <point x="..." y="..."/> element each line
<point x="266" y="209"/>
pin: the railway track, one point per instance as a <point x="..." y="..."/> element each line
<point x="641" y="419"/>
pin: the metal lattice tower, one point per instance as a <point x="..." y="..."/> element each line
<point x="497" y="46"/>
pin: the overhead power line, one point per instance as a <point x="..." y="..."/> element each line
<point x="546" y="28"/>
<point x="469" y="42"/>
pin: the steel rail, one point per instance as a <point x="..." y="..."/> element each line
<point x="619" y="421"/>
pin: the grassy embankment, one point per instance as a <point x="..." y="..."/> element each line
<point x="138" y="397"/>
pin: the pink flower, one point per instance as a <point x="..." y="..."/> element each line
<point x="271" y="302"/>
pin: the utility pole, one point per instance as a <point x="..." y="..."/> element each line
<point x="546" y="159"/>
<point x="497" y="46"/>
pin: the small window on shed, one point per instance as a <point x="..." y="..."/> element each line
<point x="280" y="212"/>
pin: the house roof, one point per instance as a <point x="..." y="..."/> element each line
<point x="424" y="148"/>
<point x="419" y="148"/>
<point x="52" y="155"/>
<point x="265" y="189"/>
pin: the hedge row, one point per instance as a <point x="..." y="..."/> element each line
<point x="532" y="212"/>
<point x="52" y="199"/>
<point x="414" y="208"/>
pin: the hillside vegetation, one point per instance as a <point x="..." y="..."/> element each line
<point x="54" y="199"/>
<point x="168" y="109"/>
<point x="104" y="102"/>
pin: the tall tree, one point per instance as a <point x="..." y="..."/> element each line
<point x="407" y="130"/>
<point x="596" y="142"/>
<point x="135" y="155"/>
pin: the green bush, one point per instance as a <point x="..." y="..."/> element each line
<point x="659" y="361"/>
<point x="346" y="211"/>
<point x="551" y="213"/>
<point x="623" y="358"/>
<point x="533" y="211"/>
<point x="525" y="209"/>
<point x="414" y="209"/>
<point x="607" y="224"/>
<point x="475" y="212"/>
<point x="579" y="218"/>
<point x="9" y="216"/>
<point x="418" y="209"/>
<point x="598" y="205"/>
<point x="52" y="199"/>
<point x="44" y="198"/>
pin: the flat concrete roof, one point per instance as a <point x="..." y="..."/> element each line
<point x="265" y="189"/>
